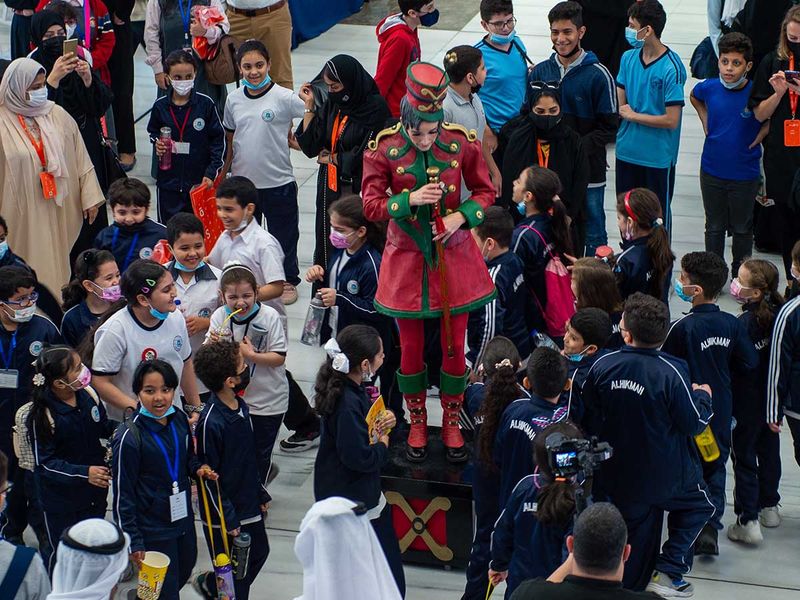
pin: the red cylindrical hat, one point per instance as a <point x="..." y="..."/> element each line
<point x="426" y="87"/>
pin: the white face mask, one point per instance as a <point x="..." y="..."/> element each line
<point x="37" y="97"/>
<point x="22" y="315"/>
<point x="71" y="29"/>
<point x="183" y="88"/>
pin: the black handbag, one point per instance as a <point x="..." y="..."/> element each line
<point x="704" y="64"/>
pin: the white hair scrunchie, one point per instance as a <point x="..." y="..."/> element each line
<point x="339" y="360"/>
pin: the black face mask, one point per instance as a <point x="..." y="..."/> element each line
<point x="429" y="19"/>
<point x="340" y="97"/>
<point x="54" y="46"/>
<point x="130" y="228"/>
<point x="244" y="381"/>
<point x="574" y="51"/>
<point x="794" y="47"/>
<point x="545" y="123"/>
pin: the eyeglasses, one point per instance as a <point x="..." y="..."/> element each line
<point x="8" y="487"/>
<point x="545" y="85"/>
<point x="24" y="301"/>
<point x="507" y="24"/>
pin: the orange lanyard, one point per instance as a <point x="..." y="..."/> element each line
<point x="544" y="155"/>
<point x="792" y="95"/>
<point x="336" y="132"/>
<point x="38" y="145"/>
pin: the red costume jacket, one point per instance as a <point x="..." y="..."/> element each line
<point x="409" y="280"/>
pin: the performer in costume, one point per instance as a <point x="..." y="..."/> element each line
<point x="431" y="266"/>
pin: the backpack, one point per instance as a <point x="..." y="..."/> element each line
<point x="220" y="65"/>
<point x="560" y="299"/>
<point x="20" y="437"/>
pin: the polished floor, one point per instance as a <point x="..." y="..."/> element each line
<point x="738" y="573"/>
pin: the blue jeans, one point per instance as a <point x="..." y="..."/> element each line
<point x="595" y="219"/>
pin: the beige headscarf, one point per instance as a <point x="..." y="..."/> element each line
<point x="19" y="76"/>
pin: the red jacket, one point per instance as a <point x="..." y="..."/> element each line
<point x="409" y="279"/>
<point x="399" y="47"/>
<point x="102" y="38"/>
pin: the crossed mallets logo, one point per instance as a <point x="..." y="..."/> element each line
<point x="419" y="524"/>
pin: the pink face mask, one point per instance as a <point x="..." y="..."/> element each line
<point x="340" y="240"/>
<point x="110" y="294"/>
<point x="84" y="379"/>
<point x="736" y="291"/>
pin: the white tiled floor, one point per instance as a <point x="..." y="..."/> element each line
<point x="739" y="573"/>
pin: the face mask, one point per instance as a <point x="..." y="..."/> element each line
<point x="571" y="53"/>
<point x="179" y="267"/>
<point x="244" y="381"/>
<point x="429" y="19"/>
<point x="735" y="84"/>
<point x="521" y="208"/>
<point x="183" y="88"/>
<point x="37" y="97"/>
<point x="130" y="228"/>
<point x="630" y="36"/>
<point x="70" y="30"/>
<point x="485" y="256"/>
<point x="736" y="292"/>
<point x="144" y="412"/>
<point x="545" y="122"/>
<point x="239" y="317"/>
<point x="161" y="316"/>
<point x="475" y="88"/>
<point x="628" y="235"/>
<point x="496" y="38"/>
<point x="575" y="357"/>
<point x="794" y="47"/>
<point x="340" y="240"/>
<point x="3" y="249"/>
<point x="366" y="376"/>
<point x="340" y="97"/>
<point x="257" y="86"/>
<point x="54" y="46"/>
<point x="22" y="315"/>
<point x="680" y="293"/>
<point x="84" y="378"/>
<point x="245" y="222"/>
<point x="110" y="294"/>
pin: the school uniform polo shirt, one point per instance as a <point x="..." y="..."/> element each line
<point x="122" y="342"/>
<point x="650" y="89"/>
<point x="76" y="323"/>
<point x="503" y="92"/>
<point x="467" y="112"/>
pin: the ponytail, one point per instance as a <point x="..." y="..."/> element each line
<point x="500" y="363"/>
<point x="53" y="363"/>
<point x="555" y="500"/>
<point x="764" y="276"/>
<point x="545" y="186"/>
<point x="87" y="266"/>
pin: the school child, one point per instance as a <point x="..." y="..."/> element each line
<point x="196" y="282"/>
<point x="714" y="343"/>
<point x="351" y="453"/>
<point x="530" y="535"/>
<point x="197" y="137"/>
<point x="145" y="328"/>
<point x="65" y="424"/>
<point x="257" y="120"/>
<point x="133" y="234"/>
<point x="793" y="286"/>
<point x="90" y="294"/>
<point x="226" y="443"/>
<point x="23" y="334"/>
<point x="587" y="334"/>
<point x="484" y="403"/>
<point x="153" y="463"/>
<point x="755" y="449"/>
<point x="542" y="233"/>
<point x="505" y="315"/>
<point x="645" y="263"/>
<point x="594" y="286"/>
<point x="650" y="95"/>
<point x="258" y="329"/>
<point x="547" y="377"/>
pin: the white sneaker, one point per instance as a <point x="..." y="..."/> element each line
<point x="770" y="516"/>
<point x="747" y="533"/>
<point x="666" y="587"/>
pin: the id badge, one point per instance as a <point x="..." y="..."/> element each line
<point x="8" y="379"/>
<point x="791" y="133"/>
<point x="177" y="507"/>
<point x="180" y="147"/>
<point x="49" y="184"/>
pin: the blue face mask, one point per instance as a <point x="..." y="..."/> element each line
<point x="734" y="84"/>
<point x="521" y="208"/>
<point x="161" y="316"/>
<point x="143" y="411"/>
<point x="181" y="267"/>
<point x="496" y="38"/>
<point x="630" y="37"/>
<point x="575" y="357"/>
<point x="3" y="249"/>
<point x="241" y="317"/>
<point x="263" y="84"/>
<point x="429" y="19"/>
<point x="680" y="293"/>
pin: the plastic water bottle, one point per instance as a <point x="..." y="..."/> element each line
<point x="312" y="328"/>
<point x="542" y="339"/>
<point x="165" y="162"/>
<point x="707" y="445"/>
<point x="240" y="555"/>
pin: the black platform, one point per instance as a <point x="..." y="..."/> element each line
<point x="431" y="505"/>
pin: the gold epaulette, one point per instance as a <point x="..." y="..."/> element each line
<point x="373" y="144"/>
<point x="470" y="134"/>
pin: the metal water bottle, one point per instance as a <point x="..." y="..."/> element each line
<point x="312" y="328"/>
<point x="165" y="162"/>
<point x="240" y="555"/>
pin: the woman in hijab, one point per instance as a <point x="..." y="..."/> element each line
<point x="75" y="87"/>
<point x="337" y="134"/>
<point x="539" y="137"/>
<point x="47" y="181"/>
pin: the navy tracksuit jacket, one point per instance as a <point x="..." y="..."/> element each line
<point x="714" y="343"/>
<point x="634" y="270"/>
<point x="128" y="244"/>
<point x="577" y="373"/>
<point x="534" y="255"/>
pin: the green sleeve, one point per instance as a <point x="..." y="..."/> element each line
<point x="473" y="213"/>
<point x="399" y="206"/>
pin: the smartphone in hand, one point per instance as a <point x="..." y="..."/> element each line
<point x="792" y="77"/>
<point x="70" y="46"/>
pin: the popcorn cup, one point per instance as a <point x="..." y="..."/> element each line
<point x="151" y="575"/>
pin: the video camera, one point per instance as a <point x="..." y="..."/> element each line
<point x="568" y="457"/>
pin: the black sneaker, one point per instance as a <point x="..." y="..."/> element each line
<point x="299" y="442"/>
<point x="706" y="543"/>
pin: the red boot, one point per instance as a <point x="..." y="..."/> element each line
<point x="415" y="391"/>
<point x="452" y="397"/>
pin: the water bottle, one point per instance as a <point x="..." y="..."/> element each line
<point x="240" y="555"/>
<point x="542" y="339"/>
<point x="165" y="162"/>
<point x="223" y="573"/>
<point x="313" y="325"/>
<point x="604" y="253"/>
<point x="707" y="445"/>
<point x="259" y="337"/>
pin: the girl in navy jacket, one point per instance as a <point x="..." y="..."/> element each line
<point x="198" y="140"/>
<point x="153" y="460"/>
<point x="529" y="537"/>
<point x="66" y="424"/>
<point x="351" y="453"/>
